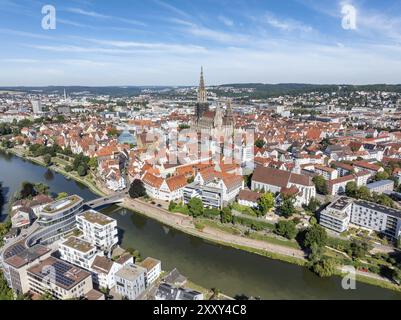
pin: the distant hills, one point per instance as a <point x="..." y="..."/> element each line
<point x="260" y="90"/>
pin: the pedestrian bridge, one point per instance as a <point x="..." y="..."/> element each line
<point x="108" y="200"/>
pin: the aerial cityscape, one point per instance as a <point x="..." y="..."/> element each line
<point x="200" y="151"/>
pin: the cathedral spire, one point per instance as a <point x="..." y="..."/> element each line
<point x="202" y="96"/>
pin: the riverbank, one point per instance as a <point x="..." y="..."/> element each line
<point x="92" y="187"/>
<point x="208" y="234"/>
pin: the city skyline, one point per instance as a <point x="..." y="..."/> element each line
<point x="165" y="42"/>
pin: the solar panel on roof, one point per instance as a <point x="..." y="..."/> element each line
<point x="17" y="249"/>
<point x="58" y="273"/>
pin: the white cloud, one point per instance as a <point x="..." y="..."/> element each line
<point x="286" y="24"/>
<point x="211" y="34"/>
<point x="227" y="21"/>
<point x="98" y="15"/>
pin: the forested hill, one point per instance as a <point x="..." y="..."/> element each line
<point x="258" y="90"/>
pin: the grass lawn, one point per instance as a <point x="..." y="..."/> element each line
<point x="273" y="240"/>
<point x="222" y="227"/>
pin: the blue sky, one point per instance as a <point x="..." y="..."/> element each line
<point x="164" y="42"/>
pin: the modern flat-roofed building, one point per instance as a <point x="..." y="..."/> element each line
<point x="19" y="260"/>
<point x="153" y="269"/>
<point x="98" y="229"/>
<point x="78" y="252"/>
<point x="376" y="217"/>
<point x="130" y="281"/>
<point x="56" y="219"/>
<point x="381" y="186"/>
<point x="337" y="215"/>
<point x="60" y="279"/>
<point x="210" y="196"/>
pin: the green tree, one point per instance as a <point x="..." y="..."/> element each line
<point x="316" y="254"/>
<point x="363" y="193"/>
<point x="359" y="249"/>
<point x="315" y="234"/>
<point x="5" y="292"/>
<point x="324" y="267"/>
<point x="266" y="202"/>
<point x="93" y="163"/>
<point x="381" y="176"/>
<point x="320" y="184"/>
<point x="259" y="143"/>
<point x="351" y="189"/>
<point x="27" y="190"/>
<point x="195" y="206"/>
<point x="226" y="215"/>
<point x="68" y="168"/>
<point x="137" y="189"/>
<point x="47" y="159"/>
<point x="286" y="229"/>
<point x="287" y="207"/>
<point x="42" y="188"/>
<point x="171" y="206"/>
<point x="313" y="205"/>
<point x="82" y="171"/>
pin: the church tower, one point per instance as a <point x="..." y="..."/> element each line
<point x="202" y="95"/>
<point x="202" y="105"/>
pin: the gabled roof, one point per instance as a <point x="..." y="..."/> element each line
<point x="152" y="180"/>
<point x="280" y="178"/>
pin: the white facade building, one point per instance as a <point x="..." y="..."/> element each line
<point x="98" y="229"/>
<point x="153" y="269"/>
<point x="130" y="281"/>
<point x="78" y="251"/>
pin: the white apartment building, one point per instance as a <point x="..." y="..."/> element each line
<point x="377" y="218"/>
<point x="78" y="251"/>
<point x="130" y="281"/>
<point x="104" y="269"/>
<point x="153" y="269"/>
<point x="337" y="215"/>
<point x="98" y="229"/>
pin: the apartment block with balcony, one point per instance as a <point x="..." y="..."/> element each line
<point x="78" y="252"/>
<point x="130" y="281"/>
<point x="336" y="216"/>
<point x="98" y="229"/>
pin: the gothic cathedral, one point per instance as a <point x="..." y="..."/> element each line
<point x="218" y="122"/>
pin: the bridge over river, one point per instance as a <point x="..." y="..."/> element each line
<point x="107" y="200"/>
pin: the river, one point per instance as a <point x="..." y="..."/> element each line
<point x="211" y="266"/>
